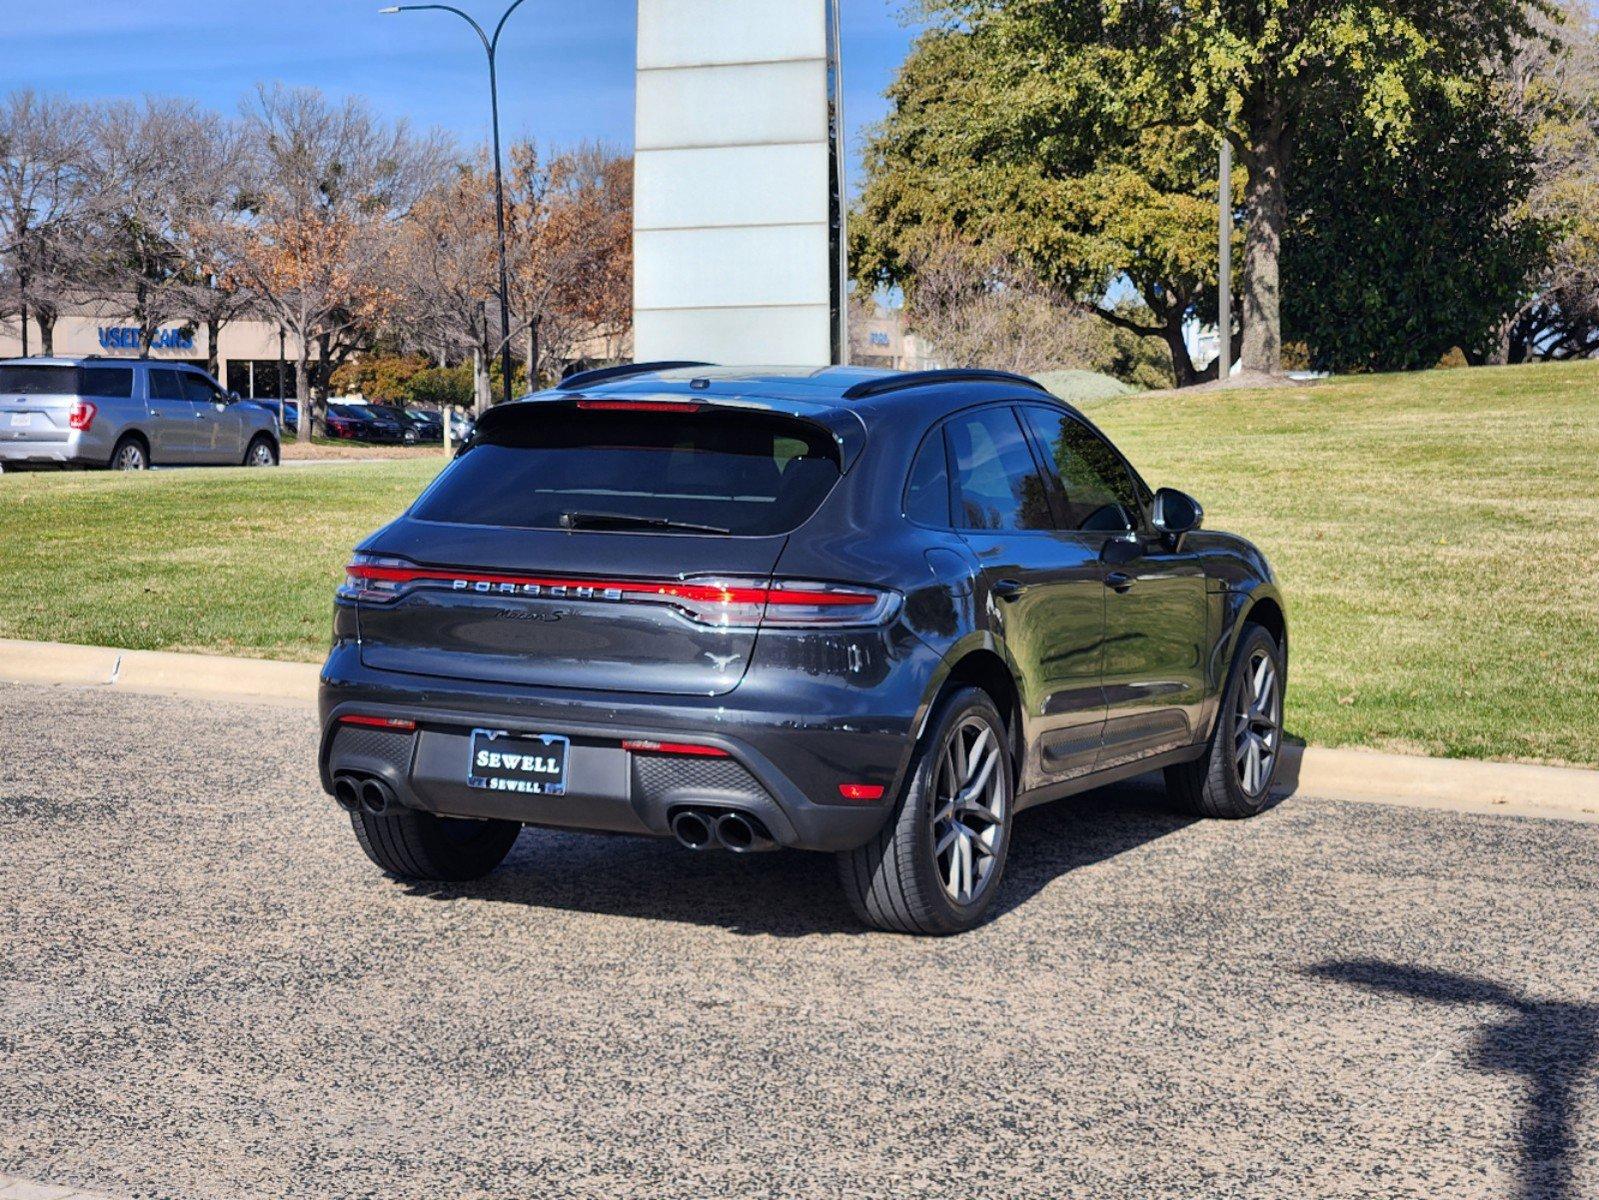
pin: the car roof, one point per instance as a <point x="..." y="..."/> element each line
<point x="95" y="360"/>
<point x="804" y="391"/>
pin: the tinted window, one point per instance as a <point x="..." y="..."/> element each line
<point x="743" y="473"/>
<point x="200" y="389"/>
<point x="1100" y="496"/>
<point x="165" y="385"/>
<point x="927" y="490"/>
<point x="115" y="382"/>
<point x="997" y="485"/>
<point x="39" y="381"/>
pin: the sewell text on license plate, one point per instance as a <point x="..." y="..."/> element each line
<point x="531" y="764"/>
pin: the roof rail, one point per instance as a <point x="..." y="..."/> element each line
<point x="583" y="379"/>
<point x="916" y="379"/>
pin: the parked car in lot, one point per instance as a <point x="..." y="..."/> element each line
<point x="413" y="428"/>
<point x="291" y="411"/>
<point x="127" y="414"/>
<point x="843" y="610"/>
<point x="363" y="423"/>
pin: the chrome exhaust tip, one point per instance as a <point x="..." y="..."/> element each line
<point x="693" y="830"/>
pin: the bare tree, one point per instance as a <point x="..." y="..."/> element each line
<point x="44" y="204"/>
<point x="976" y="308"/>
<point x="331" y="182"/>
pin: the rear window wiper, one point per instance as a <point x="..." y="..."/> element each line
<point x="601" y="520"/>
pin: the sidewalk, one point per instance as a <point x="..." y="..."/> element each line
<point x="1363" y="776"/>
<point x="20" y="1189"/>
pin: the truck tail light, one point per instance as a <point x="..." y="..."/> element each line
<point x="81" y="416"/>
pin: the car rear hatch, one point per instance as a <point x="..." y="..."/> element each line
<point x="36" y="402"/>
<point x="606" y="545"/>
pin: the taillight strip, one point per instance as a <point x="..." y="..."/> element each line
<point x="649" y="406"/>
<point x="685" y="749"/>
<point x="378" y="722"/>
<point x="665" y="589"/>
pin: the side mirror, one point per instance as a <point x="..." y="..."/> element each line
<point x="1176" y="513"/>
<point x="234" y="397"/>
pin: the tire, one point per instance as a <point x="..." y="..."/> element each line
<point x="1220" y="783"/>
<point x="261" y="452"/>
<point x="898" y="881"/>
<point x="427" y="848"/>
<point x="129" y="454"/>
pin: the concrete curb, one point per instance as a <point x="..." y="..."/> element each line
<point x="1364" y="776"/>
<point x="153" y="671"/>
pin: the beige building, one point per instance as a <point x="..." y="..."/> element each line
<point x="248" y="350"/>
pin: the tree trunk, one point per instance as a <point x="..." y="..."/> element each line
<point x="1182" y="363"/>
<point x="481" y="387"/>
<point x="213" y="357"/>
<point x="533" y="355"/>
<point x="47" y="332"/>
<point x="24" y="329"/>
<point x="302" y="392"/>
<point x="1263" y="238"/>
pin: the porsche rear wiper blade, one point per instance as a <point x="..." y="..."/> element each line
<point x="601" y="520"/>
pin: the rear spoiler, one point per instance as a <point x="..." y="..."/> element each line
<point x="846" y="428"/>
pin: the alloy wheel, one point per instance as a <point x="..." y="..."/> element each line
<point x="1257" y="729"/>
<point x="261" y="456"/>
<point x="130" y="458"/>
<point x="970" y="800"/>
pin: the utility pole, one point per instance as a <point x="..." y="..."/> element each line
<point x="1224" y="291"/>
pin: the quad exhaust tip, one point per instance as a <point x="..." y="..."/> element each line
<point x="710" y="829"/>
<point x="355" y="793"/>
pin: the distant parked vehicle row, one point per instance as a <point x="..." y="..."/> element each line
<point x="126" y="414"/>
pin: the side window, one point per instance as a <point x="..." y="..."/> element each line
<point x="1099" y="493"/>
<point x="200" y="389"/>
<point x="114" y="383"/>
<point x="927" y="489"/>
<point x="997" y="484"/>
<point x="165" y="385"/>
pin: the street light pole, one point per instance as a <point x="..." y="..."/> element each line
<point x="1224" y="363"/>
<point x="491" y="46"/>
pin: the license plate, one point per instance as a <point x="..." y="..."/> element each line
<point x="533" y="765"/>
<point x="21" y="420"/>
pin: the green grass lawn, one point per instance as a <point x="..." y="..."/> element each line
<point x="1437" y="536"/>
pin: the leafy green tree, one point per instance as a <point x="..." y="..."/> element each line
<point x="1028" y="161"/>
<point x="1250" y="70"/>
<point x="1396" y="255"/>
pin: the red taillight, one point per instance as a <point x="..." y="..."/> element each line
<point x="861" y="791"/>
<point x="81" y="416"/>
<point x="688" y="749"/>
<point x="728" y="603"/>
<point x="651" y="406"/>
<point x="379" y="722"/>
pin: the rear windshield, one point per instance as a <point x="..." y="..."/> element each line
<point x="738" y="473"/>
<point x="29" y="380"/>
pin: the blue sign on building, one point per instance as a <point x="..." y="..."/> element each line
<point x="126" y="337"/>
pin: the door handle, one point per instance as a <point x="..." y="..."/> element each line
<point x="1008" y="589"/>
<point x="1120" y="582"/>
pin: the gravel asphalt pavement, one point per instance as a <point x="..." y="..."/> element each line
<point x="207" y="991"/>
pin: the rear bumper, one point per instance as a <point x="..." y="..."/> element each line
<point x="74" y="448"/>
<point x="785" y="758"/>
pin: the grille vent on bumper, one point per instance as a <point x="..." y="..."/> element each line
<point x="664" y="779"/>
<point x="356" y="747"/>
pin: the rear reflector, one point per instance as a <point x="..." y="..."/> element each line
<point x="689" y="749"/>
<point x="378" y="722"/>
<point x="861" y="791"/>
<point x="651" y="406"/>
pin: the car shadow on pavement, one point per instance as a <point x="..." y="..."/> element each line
<point x="788" y="894"/>
<point x="1552" y="1045"/>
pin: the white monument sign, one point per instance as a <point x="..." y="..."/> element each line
<point x="738" y="224"/>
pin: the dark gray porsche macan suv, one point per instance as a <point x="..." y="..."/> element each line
<point x="850" y="611"/>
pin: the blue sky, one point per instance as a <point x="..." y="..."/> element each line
<point x="563" y="78"/>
